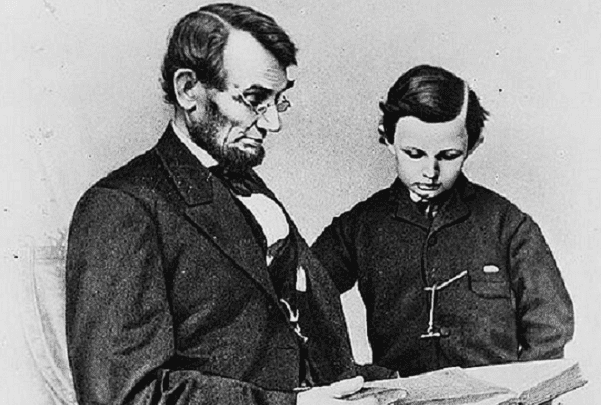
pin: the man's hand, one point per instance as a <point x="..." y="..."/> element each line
<point x="332" y="394"/>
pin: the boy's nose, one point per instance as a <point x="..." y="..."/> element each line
<point x="270" y="120"/>
<point x="431" y="169"/>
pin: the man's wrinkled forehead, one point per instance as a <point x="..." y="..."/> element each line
<point x="248" y="64"/>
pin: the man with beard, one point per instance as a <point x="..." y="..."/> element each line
<point x="187" y="281"/>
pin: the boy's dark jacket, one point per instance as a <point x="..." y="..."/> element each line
<point x="511" y="306"/>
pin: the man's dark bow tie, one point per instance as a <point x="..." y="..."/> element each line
<point x="241" y="183"/>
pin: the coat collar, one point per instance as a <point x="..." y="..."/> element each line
<point x="452" y="210"/>
<point x="192" y="179"/>
<point x="212" y="208"/>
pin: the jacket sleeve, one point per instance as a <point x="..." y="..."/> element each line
<point x="334" y="249"/>
<point x="120" y="328"/>
<point x="543" y="306"/>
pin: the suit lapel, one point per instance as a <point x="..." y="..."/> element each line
<point x="454" y="209"/>
<point x="406" y="209"/>
<point x="212" y="208"/>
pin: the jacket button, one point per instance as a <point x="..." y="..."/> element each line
<point x="432" y="241"/>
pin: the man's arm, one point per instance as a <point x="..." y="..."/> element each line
<point x="119" y="321"/>
<point x="544" y="309"/>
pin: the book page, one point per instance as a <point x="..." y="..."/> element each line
<point x="383" y="395"/>
<point x="534" y="381"/>
<point x="519" y="377"/>
<point x="496" y="400"/>
<point x="447" y="386"/>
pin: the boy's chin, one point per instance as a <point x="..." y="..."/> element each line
<point x="426" y="195"/>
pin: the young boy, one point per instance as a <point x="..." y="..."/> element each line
<point x="451" y="273"/>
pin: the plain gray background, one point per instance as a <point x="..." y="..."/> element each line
<point x="80" y="96"/>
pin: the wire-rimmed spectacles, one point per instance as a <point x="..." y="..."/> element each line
<point x="281" y="105"/>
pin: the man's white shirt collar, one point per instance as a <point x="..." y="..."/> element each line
<point x="268" y="214"/>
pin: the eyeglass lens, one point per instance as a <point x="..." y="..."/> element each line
<point x="281" y="106"/>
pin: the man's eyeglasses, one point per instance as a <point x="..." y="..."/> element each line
<point x="282" y="105"/>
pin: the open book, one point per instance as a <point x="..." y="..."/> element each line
<point x="532" y="382"/>
<point x="528" y="383"/>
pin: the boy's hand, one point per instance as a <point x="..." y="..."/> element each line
<point x="332" y="394"/>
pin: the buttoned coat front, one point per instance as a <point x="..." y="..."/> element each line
<point x="499" y="296"/>
<point x="170" y="300"/>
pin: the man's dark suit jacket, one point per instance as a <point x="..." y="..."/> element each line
<point x="169" y="299"/>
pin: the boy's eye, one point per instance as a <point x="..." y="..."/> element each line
<point x="414" y="154"/>
<point x="449" y="155"/>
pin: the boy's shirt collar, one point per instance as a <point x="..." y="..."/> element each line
<point x="450" y="206"/>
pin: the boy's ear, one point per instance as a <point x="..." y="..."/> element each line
<point x="384" y="140"/>
<point x="478" y="143"/>
<point x="188" y="90"/>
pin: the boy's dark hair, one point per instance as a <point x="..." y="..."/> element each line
<point x="431" y="94"/>
<point x="199" y="38"/>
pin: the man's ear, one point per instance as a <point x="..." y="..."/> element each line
<point x="478" y="143"/>
<point x="187" y="89"/>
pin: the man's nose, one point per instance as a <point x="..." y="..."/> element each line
<point x="431" y="168"/>
<point x="270" y="120"/>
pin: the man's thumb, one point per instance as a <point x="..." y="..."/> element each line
<point x="346" y="387"/>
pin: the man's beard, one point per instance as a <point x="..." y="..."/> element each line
<point x="204" y="134"/>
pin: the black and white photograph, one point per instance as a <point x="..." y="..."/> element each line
<point x="300" y="202"/>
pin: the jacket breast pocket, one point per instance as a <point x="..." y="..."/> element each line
<point x="490" y="288"/>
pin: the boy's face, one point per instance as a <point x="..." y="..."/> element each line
<point x="429" y="157"/>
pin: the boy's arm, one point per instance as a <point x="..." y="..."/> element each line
<point x="334" y="249"/>
<point x="544" y="309"/>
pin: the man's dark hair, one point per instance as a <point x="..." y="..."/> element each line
<point x="199" y="38"/>
<point x="431" y="94"/>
